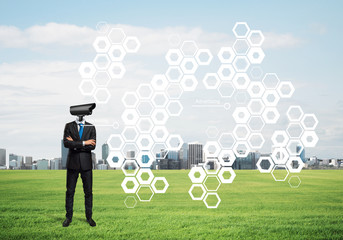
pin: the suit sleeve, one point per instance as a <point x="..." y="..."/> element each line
<point x="66" y="142"/>
<point x="92" y="136"/>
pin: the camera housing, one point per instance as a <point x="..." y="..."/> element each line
<point x="82" y="110"/>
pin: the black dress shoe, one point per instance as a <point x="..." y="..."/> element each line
<point x="66" y="222"/>
<point x="91" y="222"/>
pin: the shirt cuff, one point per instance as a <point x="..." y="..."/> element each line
<point x="83" y="143"/>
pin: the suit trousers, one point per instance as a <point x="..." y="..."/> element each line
<point x="87" y="180"/>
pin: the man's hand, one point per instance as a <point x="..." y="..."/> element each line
<point x="90" y="142"/>
<point x="69" y="138"/>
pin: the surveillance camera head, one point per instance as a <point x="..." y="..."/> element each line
<point x="82" y="110"/>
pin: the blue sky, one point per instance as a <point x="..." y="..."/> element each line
<point x="313" y="64"/>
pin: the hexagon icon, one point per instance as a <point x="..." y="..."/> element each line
<point x="256" y="106"/>
<point x="213" y="196"/>
<point x="174" y="91"/>
<point x="189" y="83"/>
<point x="309" y="121"/>
<point x="117" y="53"/>
<point x="145" y="125"/>
<point x="115" y="159"/>
<point x="130" y="134"/>
<point x="131" y="44"/>
<point x="241" y="47"/>
<point x="130" y="202"/>
<point x="256" y="89"/>
<point x="270" y="98"/>
<point x="241" y="63"/>
<point x="295" y="113"/>
<point x="271" y="115"/>
<point x="309" y="139"/>
<point x="226" y="72"/>
<point x="226" y="157"/>
<point x="102" y="95"/>
<point x="256" y="140"/>
<point x="144" y="91"/>
<point x="280" y="138"/>
<point x="197" y="174"/>
<point x="174" y="108"/>
<point x="87" y="70"/>
<point x="145" y="171"/>
<point x="241" y="29"/>
<point x="256" y="55"/>
<point x="117" y="70"/>
<point x="164" y="180"/>
<point x="294" y="181"/>
<point x="241" y="97"/>
<point x="241" y="115"/>
<point x="190" y="192"/>
<point x="280" y="173"/>
<point x="241" y="81"/>
<point x="174" y="74"/>
<point x="159" y="82"/>
<point x="280" y="155"/>
<point x="211" y="81"/>
<point x="159" y="116"/>
<point x="295" y="147"/>
<point x="102" y="78"/>
<point x="130" y="150"/>
<point x="226" y="55"/>
<point x="174" y="142"/>
<point x="115" y="142"/>
<point x="212" y="183"/>
<point x="285" y="89"/>
<point x="271" y="81"/>
<point x="87" y="87"/>
<point x="226" y="140"/>
<point x="130" y="180"/>
<point x="256" y="123"/>
<point x="211" y="149"/>
<point x="204" y="56"/>
<point x="241" y="149"/>
<point x="101" y="44"/>
<point x="130" y="99"/>
<point x="211" y="165"/>
<point x="256" y="72"/>
<point x="265" y="164"/>
<point x="241" y="132"/>
<point x="189" y="65"/>
<point x="159" y="99"/>
<point x="130" y="116"/>
<point x="294" y="130"/>
<point x="295" y="164"/>
<point x="145" y="142"/>
<point x="160" y="133"/>
<point x="101" y="61"/>
<point x="226" y="89"/>
<point x="255" y="38"/>
<point x="116" y="35"/>
<point x="174" y="56"/>
<point x="145" y="108"/>
<point x="224" y="179"/>
<point x="147" y="196"/>
<point x="189" y="48"/>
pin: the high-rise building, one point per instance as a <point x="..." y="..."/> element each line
<point x="302" y="154"/>
<point x="173" y="160"/>
<point x="183" y="156"/>
<point x="93" y="160"/>
<point x="2" y="157"/>
<point x="55" y="164"/>
<point x="42" y="164"/>
<point x="64" y="155"/>
<point x="248" y="162"/>
<point x="18" y="159"/>
<point x="28" y="160"/>
<point x="105" y="151"/>
<point x="194" y="155"/>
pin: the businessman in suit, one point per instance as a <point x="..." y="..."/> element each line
<point x="80" y="137"/>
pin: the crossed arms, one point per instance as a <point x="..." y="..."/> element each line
<point x="88" y="145"/>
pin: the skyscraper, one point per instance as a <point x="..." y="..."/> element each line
<point x="64" y="155"/>
<point x="2" y="157"/>
<point x="183" y="156"/>
<point x="42" y="164"/>
<point x="105" y="151"/>
<point x="194" y="154"/>
<point x="17" y="158"/>
<point x="28" y="160"/>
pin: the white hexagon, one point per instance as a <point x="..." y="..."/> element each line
<point x="145" y="125"/>
<point x="116" y="35"/>
<point x="130" y="116"/>
<point x="271" y="81"/>
<point x="145" y="200"/>
<point x="226" y="89"/>
<point x="159" y="82"/>
<point x="212" y="194"/>
<point x="144" y="91"/>
<point x="115" y="142"/>
<point x="211" y="149"/>
<point x="191" y="191"/>
<point x="270" y="98"/>
<point x="102" y="78"/>
<point x="195" y="170"/>
<point x="87" y="70"/>
<point x="160" y="133"/>
<point x="241" y="47"/>
<point x="256" y="89"/>
<point x="277" y="167"/>
<point x="226" y="180"/>
<point x="271" y="115"/>
<point x="241" y="29"/>
<point x="174" y="108"/>
<point x="290" y="164"/>
<point x="309" y="121"/>
<point x="241" y="132"/>
<point x="101" y="61"/>
<point x="241" y="81"/>
<point x="280" y="138"/>
<point x="256" y="72"/>
<point x="127" y="203"/>
<point x="145" y="108"/>
<point x="117" y="70"/>
<point x="256" y="55"/>
<point x="130" y="150"/>
<point x="256" y="106"/>
<point x="280" y="155"/>
<point x="145" y="170"/>
<point x="117" y="53"/>
<point x="87" y="87"/>
<point x="226" y="55"/>
<point x="102" y="95"/>
<point x="295" y="113"/>
<point x="295" y="147"/>
<point x="241" y="149"/>
<point x="115" y="159"/>
<point x="294" y="185"/>
<point x="255" y="38"/>
<point x="174" y="74"/>
<point x="174" y="56"/>
<point x="101" y="44"/>
<point x="132" y="44"/>
<point x="256" y="140"/>
<point x="285" y="89"/>
<point x="166" y="185"/>
<point x="130" y="134"/>
<point x="294" y="130"/>
<point x="226" y="72"/>
<point x="189" y="83"/>
<point x="174" y="91"/>
<point x="226" y="157"/>
<point x="174" y="142"/>
<point x="226" y="140"/>
<point x="211" y="81"/>
<point x="189" y="65"/>
<point x="241" y="115"/>
<point x="204" y="57"/>
<point x="309" y="139"/>
<point x="189" y="48"/>
<point x="145" y="142"/>
<point x="256" y="123"/>
<point x="159" y="116"/>
<point x="259" y="162"/>
<point x="130" y="190"/>
<point x="159" y="99"/>
<point x="145" y="159"/>
<point x="207" y="179"/>
<point x="130" y="99"/>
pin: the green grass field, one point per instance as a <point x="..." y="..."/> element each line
<point x="254" y="206"/>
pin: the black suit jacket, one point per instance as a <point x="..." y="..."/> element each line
<point x="79" y="156"/>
